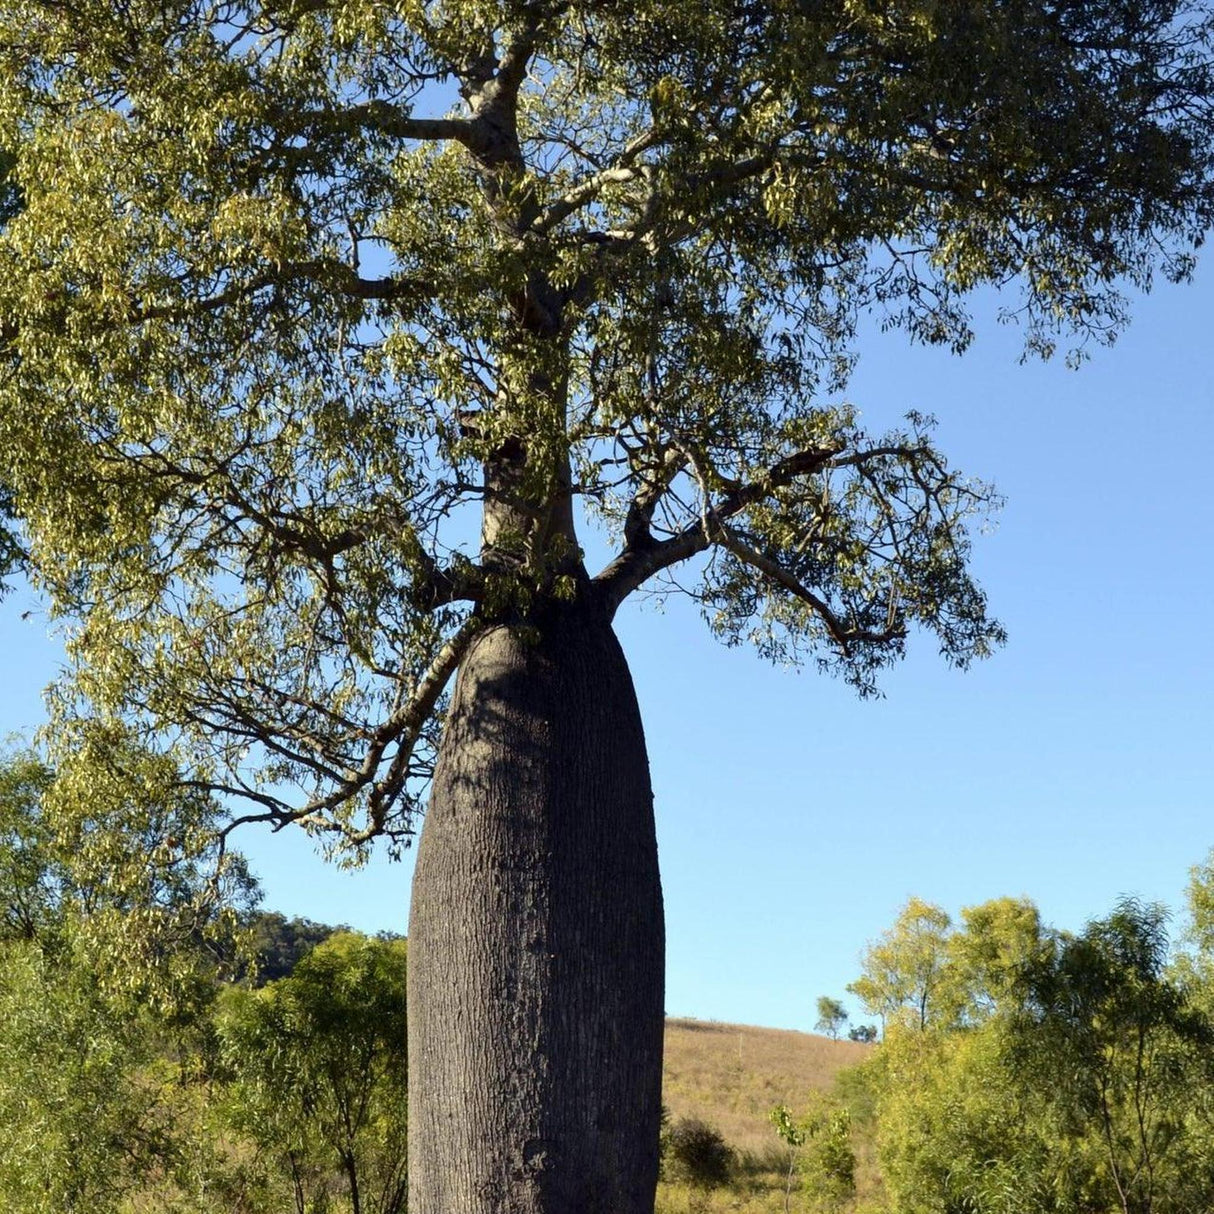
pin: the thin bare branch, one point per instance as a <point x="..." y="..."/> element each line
<point x="383" y="117"/>
<point x="647" y="497"/>
<point x="336" y="275"/>
<point x="405" y="727"/>
<point x="843" y="635"/>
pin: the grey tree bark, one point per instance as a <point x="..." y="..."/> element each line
<point x="536" y="938"/>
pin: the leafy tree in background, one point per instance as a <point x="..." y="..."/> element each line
<point x="96" y="1101"/>
<point x="923" y="970"/>
<point x="165" y="921"/>
<point x="1000" y="946"/>
<point x="955" y="1132"/>
<point x="903" y="971"/>
<point x="116" y="1096"/>
<point x="1193" y="966"/>
<point x="298" y="289"/>
<point x="316" y="1063"/>
<point x="832" y="1016"/>
<point x="1132" y="1054"/>
<point x="84" y="1119"/>
<point x="1076" y="1079"/>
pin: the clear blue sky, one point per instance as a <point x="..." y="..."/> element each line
<point x="1076" y="765"/>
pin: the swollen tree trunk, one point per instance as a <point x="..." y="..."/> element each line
<point x="536" y="941"/>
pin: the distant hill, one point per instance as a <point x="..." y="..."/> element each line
<point x="731" y="1075"/>
<point x="279" y="943"/>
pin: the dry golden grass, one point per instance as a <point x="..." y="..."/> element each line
<point x="731" y="1076"/>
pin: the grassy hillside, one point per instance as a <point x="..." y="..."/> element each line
<point x="731" y="1076"/>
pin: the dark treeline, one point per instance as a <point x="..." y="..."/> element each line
<point x="277" y="944"/>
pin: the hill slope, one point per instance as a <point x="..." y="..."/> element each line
<point x="731" y="1075"/>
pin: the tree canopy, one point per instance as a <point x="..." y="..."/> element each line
<point x="296" y="295"/>
<point x="289" y="289"/>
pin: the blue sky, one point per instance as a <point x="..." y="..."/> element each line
<point x="1074" y="766"/>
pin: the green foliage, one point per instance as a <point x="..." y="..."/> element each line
<point x="1199" y="900"/>
<point x="101" y="1098"/>
<point x="112" y="1101"/>
<point x="278" y="944"/>
<point x="953" y="1133"/>
<point x="97" y="878"/>
<point x="696" y="1154"/>
<point x="1071" y="1075"/>
<point x="79" y="1126"/>
<point x="292" y="1094"/>
<point x="33" y="878"/>
<point x="278" y="313"/>
<point x="902" y="979"/>
<point x="864" y="1033"/>
<point x="316" y="1069"/>
<point x="994" y="957"/>
<point x="1133" y="1061"/>
<point x="1192" y="966"/>
<point x="820" y="1150"/>
<point x="832" y="1016"/>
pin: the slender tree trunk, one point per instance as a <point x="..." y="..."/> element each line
<point x="351" y="1167"/>
<point x="536" y="941"/>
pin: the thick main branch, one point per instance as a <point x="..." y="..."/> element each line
<point x="643" y="557"/>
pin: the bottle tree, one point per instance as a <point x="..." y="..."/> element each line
<point x="327" y="324"/>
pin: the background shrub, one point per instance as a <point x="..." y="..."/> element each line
<point x="696" y="1154"/>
